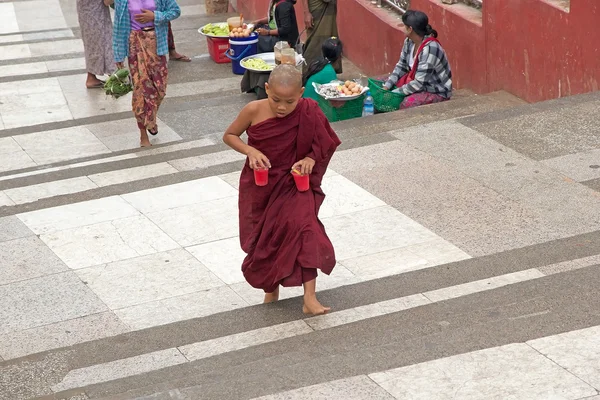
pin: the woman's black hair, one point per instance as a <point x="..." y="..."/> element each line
<point x="332" y="51"/>
<point x="419" y="21"/>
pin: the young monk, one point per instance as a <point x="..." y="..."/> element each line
<point x="280" y="230"/>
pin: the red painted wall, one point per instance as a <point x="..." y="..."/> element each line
<point x="530" y="48"/>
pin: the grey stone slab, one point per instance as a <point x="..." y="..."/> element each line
<point x="27" y="258"/>
<point x="548" y="134"/>
<point x="12" y="228"/>
<point x="60" y="334"/>
<point x="579" y="166"/>
<point x="45" y="300"/>
<point x="194" y="125"/>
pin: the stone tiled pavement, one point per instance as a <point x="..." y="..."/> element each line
<point x="467" y="233"/>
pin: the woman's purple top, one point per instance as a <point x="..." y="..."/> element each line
<point x="135" y="8"/>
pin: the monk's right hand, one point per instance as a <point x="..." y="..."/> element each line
<point x="258" y="160"/>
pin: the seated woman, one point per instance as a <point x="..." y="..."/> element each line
<point x="322" y="71"/>
<point x="423" y="73"/>
<point x="279" y="26"/>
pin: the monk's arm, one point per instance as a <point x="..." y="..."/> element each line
<point x="233" y="140"/>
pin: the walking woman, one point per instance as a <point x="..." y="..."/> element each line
<point x="320" y="18"/>
<point x="141" y="34"/>
<point x="96" y="34"/>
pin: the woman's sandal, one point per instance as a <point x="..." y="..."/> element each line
<point x="153" y="133"/>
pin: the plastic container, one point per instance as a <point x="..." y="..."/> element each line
<point x="302" y="181"/>
<point x="384" y="100"/>
<point x="348" y="110"/>
<point x="240" y="48"/>
<point x="217" y="47"/>
<point x="234" y="22"/>
<point x="368" y="107"/>
<point x="279" y="46"/>
<point x="261" y="177"/>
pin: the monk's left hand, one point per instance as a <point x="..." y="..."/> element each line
<point x="145" y="17"/>
<point x="305" y="166"/>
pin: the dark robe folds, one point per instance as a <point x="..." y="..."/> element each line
<point x="280" y="230"/>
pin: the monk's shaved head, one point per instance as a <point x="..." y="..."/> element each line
<point x="286" y="75"/>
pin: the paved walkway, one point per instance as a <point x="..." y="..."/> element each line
<point x="467" y="235"/>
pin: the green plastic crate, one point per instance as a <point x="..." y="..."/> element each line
<point x="350" y="109"/>
<point x="384" y="100"/>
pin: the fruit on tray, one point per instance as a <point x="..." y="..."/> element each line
<point x="220" y="29"/>
<point x="257" y="64"/>
<point x="337" y="90"/>
<point x="350" y="88"/>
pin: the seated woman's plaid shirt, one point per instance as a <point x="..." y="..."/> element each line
<point x="166" y="10"/>
<point x="433" y="71"/>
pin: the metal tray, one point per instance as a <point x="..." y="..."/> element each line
<point x="213" y="36"/>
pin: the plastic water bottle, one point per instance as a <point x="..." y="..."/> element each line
<point x="368" y="107"/>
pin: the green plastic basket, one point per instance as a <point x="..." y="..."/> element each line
<point x="384" y="100"/>
<point x="350" y="109"/>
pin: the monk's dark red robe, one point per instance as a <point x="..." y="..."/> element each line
<point x="280" y="232"/>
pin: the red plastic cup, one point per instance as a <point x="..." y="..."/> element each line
<point x="261" y="177"/>
<point x="302" y="181"/>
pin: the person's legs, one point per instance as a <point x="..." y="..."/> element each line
<point x="311" y="304"/>
<point x="173" y="54"/>
<point x="420" y="99"/>
<point x="272" y="297"/>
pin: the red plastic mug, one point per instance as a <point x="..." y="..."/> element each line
<point x="261" y="177"/>
<point x="302" y="181"/>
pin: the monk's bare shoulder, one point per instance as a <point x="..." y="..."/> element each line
<point x="259" y="111"/>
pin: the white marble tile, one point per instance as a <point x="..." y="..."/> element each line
<point x="32" y="102"/>
<point x="30" y="19"/>
<point x="106" y="242"/>
<point x="223" y="257"/>
<point x="45" y="300"/>
<point x="576" y="351"/>
<point x="60" y="334"/>
<point x="373" y="231"/>
<point x="193" y="10"/>
<point x="56" y="34"/>
<point x="22" y="69"/>
<point x="203" y="87"/>
<point x="208" y="160"/>
<point x="180" y="308"/>
<point x="8" y="145"/>
<point x="122" y="135"/>
<point x="239" y="341"/>
<point x="189" y="144"/>
<point x="119" y="369"/>
<point x="405" y="259"/>
<point x="386" y="263"/>
<point x="200" y="223"/>
<point x="28" y="194"/>
<point x="180" y="194"/>
<point x="482" y="285"/>
<point x="132" y="174"/>
<point x="438" y="251"/>
<point x="66" y="64"/>
<point x="5" y="200"/>
<point x="8" y="18"/>
<point x="61" y="144"/>
<point x="77" y="214"/>
<point x="35" y="116"/>
<point x="515" y="371"/>
<point x="344" y="196"/>
<point x="364" y="312"/>
<point x="339" y="277"/>
<point x="14" y="51"/>
<point x="233" y="179"/>
<point x="150" y="278"/>
<point x="11" y="38"/>
<point x="354" y="388"/>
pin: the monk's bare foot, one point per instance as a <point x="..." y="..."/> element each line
<point x="144" y="140"/>
<point x="313" y="307"/>
<point x="92" y="82"/>
<point x="271" y="297"/>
